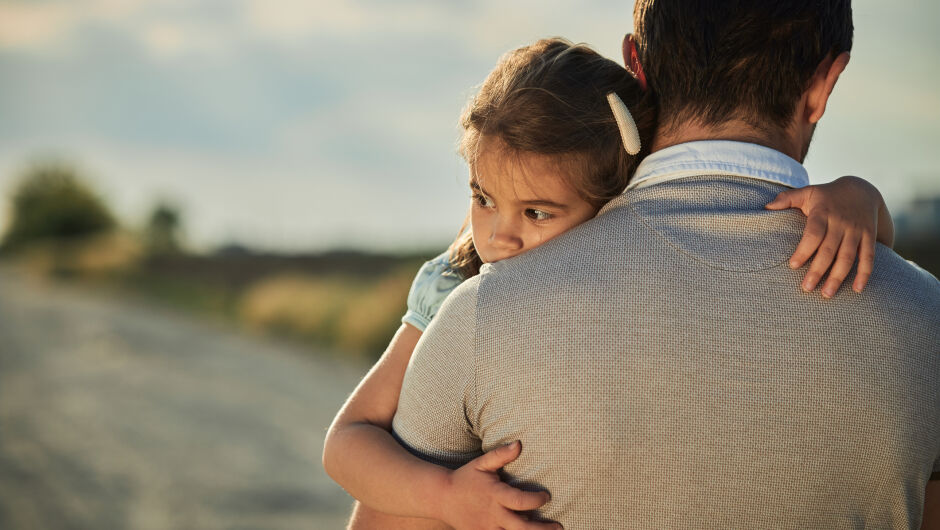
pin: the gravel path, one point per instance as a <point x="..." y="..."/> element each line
<point x="115" y="414"/>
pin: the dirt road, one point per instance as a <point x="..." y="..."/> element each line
<point x="115" y="414"/>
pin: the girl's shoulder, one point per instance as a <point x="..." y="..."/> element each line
<point x="434" y="281"/>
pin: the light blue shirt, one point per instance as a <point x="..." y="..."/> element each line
<point x="719" y="157"/>
<point x="434" y="281"/>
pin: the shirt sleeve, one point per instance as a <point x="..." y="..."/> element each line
<point x="435" y="280"/>
<point x="439" y="386"/>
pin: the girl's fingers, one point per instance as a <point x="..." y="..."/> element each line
<point x="843" y="265"/>
<point x="824" y="256"/>
<point x="499" y="457"/>
<point x="521" y="500"/>
<point x="813" y="236"/>
<point x="866" y="262"/>
<point x="788" y="199"/>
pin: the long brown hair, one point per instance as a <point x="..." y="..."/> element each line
<point x="550" y="98"/>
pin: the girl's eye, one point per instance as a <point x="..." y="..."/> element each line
<point x="483" y="200"/>
<point x="538" y="215"/>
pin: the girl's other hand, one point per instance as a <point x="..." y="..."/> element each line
<point x="844" y="219"/>
<point x="476" y="498"/>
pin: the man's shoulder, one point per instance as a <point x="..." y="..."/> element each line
<point x="903" y="279"/>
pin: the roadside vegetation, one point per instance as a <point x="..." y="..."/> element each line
<point x="345" y="302"/>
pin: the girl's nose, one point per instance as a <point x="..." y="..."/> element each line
<point x="505" y="236"/>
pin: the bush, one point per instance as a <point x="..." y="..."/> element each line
<point x="344" y="313"/>
<point x="96" y="256"/>
<point x="51" y="202"/>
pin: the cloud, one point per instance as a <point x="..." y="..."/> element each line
<point x="171" y="29"/>
<point x="33" y="25"/>
<point x="165" y="27"/>
<point x="169" y="40"/>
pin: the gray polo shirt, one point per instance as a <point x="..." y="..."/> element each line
<point x="663" y="369"/>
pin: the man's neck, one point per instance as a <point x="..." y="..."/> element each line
<point x="691" y="131"/>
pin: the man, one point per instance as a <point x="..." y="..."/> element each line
<point x="657" y="364"/>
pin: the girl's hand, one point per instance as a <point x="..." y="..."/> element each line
<point x="476" y="498"/>
<point x="844" y="219"/>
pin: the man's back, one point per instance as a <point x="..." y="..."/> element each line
<point x="662" y="368"/>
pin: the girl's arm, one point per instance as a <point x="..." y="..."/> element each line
<point x="844" y="219"/>
<point x="363" y="457"/>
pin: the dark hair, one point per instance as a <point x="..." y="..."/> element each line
<point x="715" y="61"/>
<point x="550" y="98"/>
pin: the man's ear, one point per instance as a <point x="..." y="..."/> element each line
<point x="822" y="83"/>
<point x="631" y="60"/>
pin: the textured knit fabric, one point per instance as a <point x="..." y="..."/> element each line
<point x="434" y="281"/>
<point x="663" y="369"/>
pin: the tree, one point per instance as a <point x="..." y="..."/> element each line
<point x="162" y="230"/>
<point x="51" y="202"/>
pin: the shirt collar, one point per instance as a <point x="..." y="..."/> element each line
<point x="719" y="157"/>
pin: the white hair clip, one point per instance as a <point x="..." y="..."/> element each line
<point x="628" y="130"/>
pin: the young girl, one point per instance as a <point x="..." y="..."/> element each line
<point x="545" y="153"/>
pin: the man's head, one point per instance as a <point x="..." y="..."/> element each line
<point x="752" y="61"/>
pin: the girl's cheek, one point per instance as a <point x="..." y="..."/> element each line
<point x="477" y="223"/>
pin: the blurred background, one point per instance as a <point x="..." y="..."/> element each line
<point x="211" y="212"/>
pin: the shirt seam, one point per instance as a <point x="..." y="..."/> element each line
<point x="630" y="205"/>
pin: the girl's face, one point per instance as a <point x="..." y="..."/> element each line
<point x="519" y="202"/>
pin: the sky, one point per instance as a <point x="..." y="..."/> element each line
<point x="306" y="125"/>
